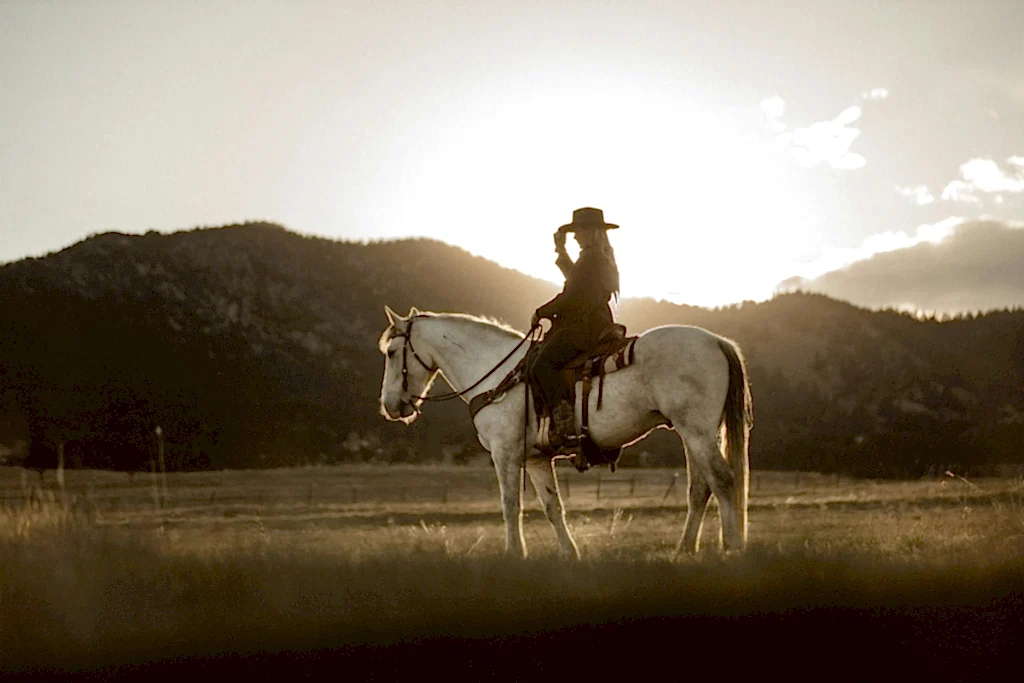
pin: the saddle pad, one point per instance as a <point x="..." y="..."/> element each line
<point x="618" y="358"/>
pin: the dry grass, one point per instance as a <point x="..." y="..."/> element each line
<point x="102" y="574"/>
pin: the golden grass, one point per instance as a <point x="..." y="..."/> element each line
<point x="101" y="574"/>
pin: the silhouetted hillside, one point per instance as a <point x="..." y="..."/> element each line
<point x="253" y="346"/>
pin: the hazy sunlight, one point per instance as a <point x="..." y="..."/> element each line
<point x="707" y="216"/>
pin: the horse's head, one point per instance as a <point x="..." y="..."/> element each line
<point x="408" y="374"/>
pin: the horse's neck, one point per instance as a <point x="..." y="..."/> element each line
<point x="465" y="351"/>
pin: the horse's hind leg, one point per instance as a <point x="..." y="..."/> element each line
<point x="508" y="467"/>
<point x="699" y="494"/>
<point x="545" y="481"/>
<point x="703" y="452"/>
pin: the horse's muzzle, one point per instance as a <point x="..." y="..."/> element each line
<point x="399" y="410"/>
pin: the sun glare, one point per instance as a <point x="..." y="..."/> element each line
<point x="707" y="215"/>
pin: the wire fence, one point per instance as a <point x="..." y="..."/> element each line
<point x="367" y="486"/>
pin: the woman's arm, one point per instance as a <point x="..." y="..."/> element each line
<point x="564" y="261"/>
<point x="549" y="309"/>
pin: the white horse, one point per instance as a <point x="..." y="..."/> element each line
<point x="683" y="378"/>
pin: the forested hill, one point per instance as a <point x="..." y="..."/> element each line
<point x="253" y="346"/>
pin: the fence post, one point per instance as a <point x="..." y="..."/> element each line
<point x="568" y="490"/>
<point x="155" y="479"/>
<point x="163" y="468"/>
<point x="444" y="493"/>
<point x="632" y="485"/>
<point x="60" y="466"/>
<point x="599" y="486"/>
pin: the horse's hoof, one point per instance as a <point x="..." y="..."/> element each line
<point x="681" y="550"/>
<point x="571" y="555"/>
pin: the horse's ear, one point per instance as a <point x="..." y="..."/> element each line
<point x="413" y="311"/>
<point x="390" y="314"/>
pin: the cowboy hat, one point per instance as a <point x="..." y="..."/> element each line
<point x="586" y="219"/>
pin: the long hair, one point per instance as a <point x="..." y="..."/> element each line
<point x="602" y="243"/>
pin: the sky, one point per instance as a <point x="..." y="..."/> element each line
<point x="744" y="148"/>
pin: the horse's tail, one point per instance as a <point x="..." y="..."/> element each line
<point x="737" y="419"/>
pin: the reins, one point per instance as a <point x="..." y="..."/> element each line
<point x="407" y="346"/>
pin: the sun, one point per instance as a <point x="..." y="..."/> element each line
<point x="708" y="214"/>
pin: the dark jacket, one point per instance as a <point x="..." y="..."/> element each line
<point x="582" y="309"/>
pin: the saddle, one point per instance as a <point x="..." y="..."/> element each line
<point x="613" y="351"/>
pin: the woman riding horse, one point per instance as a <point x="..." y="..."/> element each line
<point x="580" y="315"/>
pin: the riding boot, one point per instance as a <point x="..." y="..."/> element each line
<point x="563" y="423"/>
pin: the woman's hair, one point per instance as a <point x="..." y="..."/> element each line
<point x="598" y="238"/>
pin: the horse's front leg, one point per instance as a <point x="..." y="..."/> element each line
<point x="545" y="481"/>
<point x="508" y="464"/>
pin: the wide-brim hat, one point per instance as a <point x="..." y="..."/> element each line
<point x="588" y="218"/>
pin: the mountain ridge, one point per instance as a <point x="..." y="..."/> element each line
<point x="254" y="346"/>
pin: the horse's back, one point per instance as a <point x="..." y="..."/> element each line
<point x="681" y="339"/>
<point x="685" y="365"/>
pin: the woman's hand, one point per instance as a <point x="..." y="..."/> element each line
<point x="560" y="235"/>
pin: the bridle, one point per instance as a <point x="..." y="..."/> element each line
<point x="419" y="400"/>
<point x="406" y="347"/>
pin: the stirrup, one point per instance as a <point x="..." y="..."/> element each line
<point x="580" y="462"/>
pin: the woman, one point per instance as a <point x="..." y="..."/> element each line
<point x="580" y="315"/>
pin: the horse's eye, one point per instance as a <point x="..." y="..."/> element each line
<point x="391" y="353"/>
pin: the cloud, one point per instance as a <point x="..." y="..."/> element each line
<point x="875" y="94"/>
<point x="960" y="191"/>
<point x="919" y="193"/>
<point x="834" y="258"/>
<point x="822" y="142"/>
<point x="772" y="109"/>
<point x="987" y="177"/>
<point x="946" y="268"/>
<point x="773" y="106"/>
<point x="826" y="142"/>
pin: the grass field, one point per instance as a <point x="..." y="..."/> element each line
<point x="364" y="566"/>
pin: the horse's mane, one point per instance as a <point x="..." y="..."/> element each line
<point x="479" y="319"/>
<point x="386" y="336"/>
